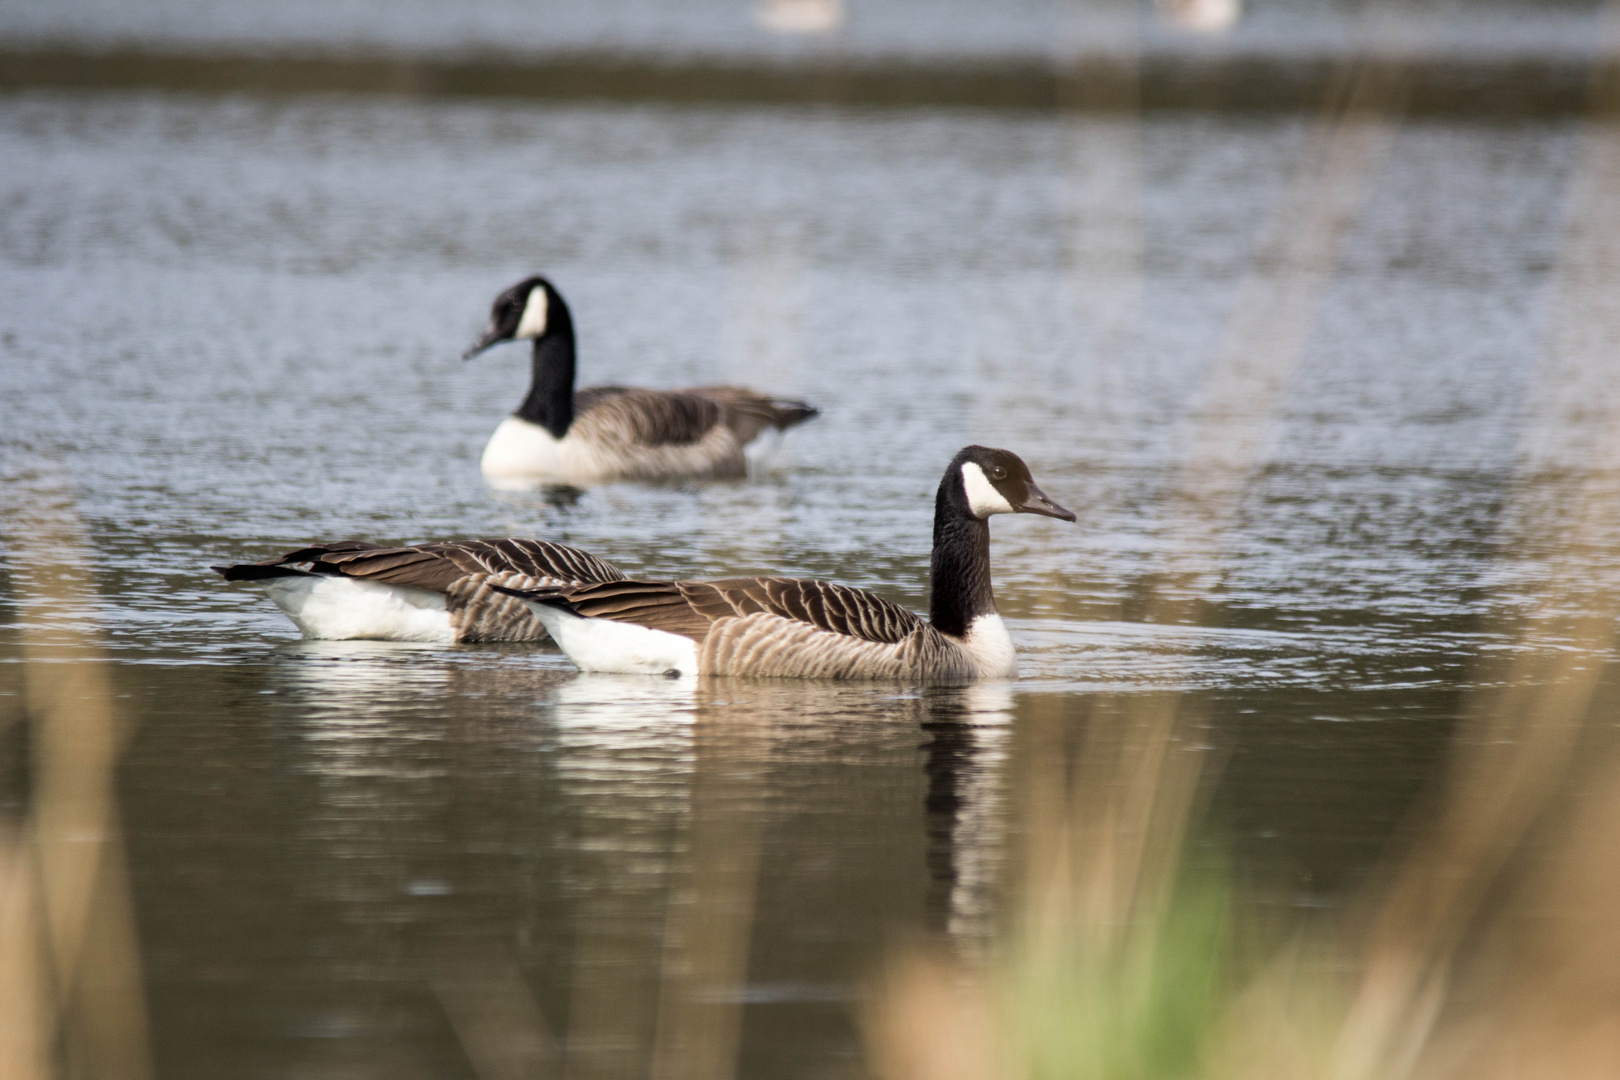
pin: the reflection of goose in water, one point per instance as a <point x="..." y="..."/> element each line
<point x="799" y="628"/>
<point x="348" y="697"/>
<point x="968" y="731"/>
<point x="565" y="436"/>
<point x="366" y="675"/>
<point x="439" y="592"/>
<point x="623" y="702"/>
<point x="364" y="707"/>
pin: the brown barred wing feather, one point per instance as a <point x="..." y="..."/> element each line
<point x="618" y="414"/>
<point x="837" y="609"/>
<point x="462" y="572"/>
<point x="481" y="613"/>
<point x="657" y="605"/>
<point x="537" y="559"/>
<point x="676" y="418"/>
<point x="691" y="608"/>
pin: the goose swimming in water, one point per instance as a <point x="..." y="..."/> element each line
<point x="567" y="436"/>
<point x="441" y="592"/>
<point x="799" y="628"/>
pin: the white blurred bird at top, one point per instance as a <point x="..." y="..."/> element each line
<point x="800" y="16"/>
<point x="1201" y="16"/>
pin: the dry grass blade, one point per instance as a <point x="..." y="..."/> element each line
<point x="68" y="853"/>
<point x="710" y="924"/>
<point x="500" y="1026"/>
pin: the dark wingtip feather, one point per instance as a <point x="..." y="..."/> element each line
<point x="255" y="572"/>
<point x="549" y="597"/>
<point x="790" y="413"/>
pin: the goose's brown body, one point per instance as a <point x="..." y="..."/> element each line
<point x="665" y="417"/>
<point x="783" y="628"/>
<point x="625" y="433"/>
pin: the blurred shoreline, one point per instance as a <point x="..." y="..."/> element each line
<point x="1448" y="84"/>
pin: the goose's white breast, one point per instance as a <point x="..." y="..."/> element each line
<point x="519" y="448"/>
<point x="521" y="452"/>
<point x="991" y="647"/>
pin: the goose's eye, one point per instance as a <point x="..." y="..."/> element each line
<point x="998" y="473"/>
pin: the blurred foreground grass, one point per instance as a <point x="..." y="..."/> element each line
<point x="71" y="995"/>
<point x="1489" y="946"/>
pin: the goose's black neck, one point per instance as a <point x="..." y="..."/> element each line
<point x="960" y="576"/>
<point x="551" y="386"/>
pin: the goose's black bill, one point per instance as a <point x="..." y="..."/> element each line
<point x="492" y="336"/>
<point x="1037" y="502"/>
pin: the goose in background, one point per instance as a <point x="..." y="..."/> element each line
<point x="443" y="592"/>
<point x="799" y="628"/>
<point x="567" y="436"/>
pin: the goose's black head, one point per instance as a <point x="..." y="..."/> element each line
<point x="990" y="481"/>
<point x="533" y="308"/>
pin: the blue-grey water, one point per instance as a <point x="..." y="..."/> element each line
<point x="231" y="326"/>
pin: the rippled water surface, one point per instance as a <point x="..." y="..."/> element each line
<point x="229" y="327"/>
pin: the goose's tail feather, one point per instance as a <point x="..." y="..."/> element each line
<point x="551" y="597"/>
<point x="788" y="412"/>
<point x="257" y="572"/>
<point x="749" y="412"/>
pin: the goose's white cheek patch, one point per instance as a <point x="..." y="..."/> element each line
<point x="533" y="323"/>
<point x="983" y="498"/>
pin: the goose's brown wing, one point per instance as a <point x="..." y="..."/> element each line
<point x="691" y="608"/>
<point x="537" y="559"/>
<point x="439" y="567"/>
<point x="837" y="609"/>
<point x="660" y="605"/>
<point x="748" y="412"/>
<point x="467" y="573"/>
<point x="682" y="417"/>
<point x="646" y="417"/>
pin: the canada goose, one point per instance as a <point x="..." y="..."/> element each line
<point x="612" y="432"/>
<point x="798" y="628"/>
<point x="426" y="592"/>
